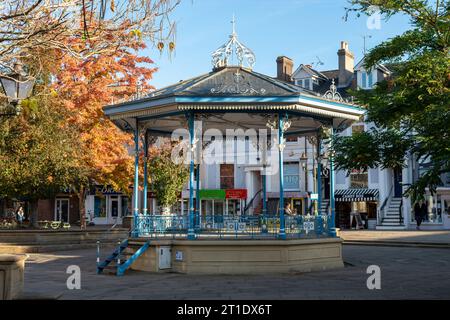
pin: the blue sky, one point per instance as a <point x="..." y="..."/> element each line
<point x="299" y="29"/>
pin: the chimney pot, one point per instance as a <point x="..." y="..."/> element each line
<point x="346" y="64"/>
<point x="284" y="68"/>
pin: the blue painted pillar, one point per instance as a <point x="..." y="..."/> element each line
<point x="282" y="233"/>
<point x="264" y="191"/>
<point x="331" y="225"/>
<point x="145" y="209"/>
<point x="191" y="232"/>
<point x="197" y="198"/>
<point x="136" y="180"/>
<point x="319" y="176"/>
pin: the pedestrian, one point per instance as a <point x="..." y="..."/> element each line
<point x="423" y="211"/>
<point x="20" y="215"/>
<point x="287" y="209"/>
<point x="418" y="213"/>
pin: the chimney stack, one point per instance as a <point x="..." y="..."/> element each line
<point x="284" y="68"/>
<point x="346" y="64"/>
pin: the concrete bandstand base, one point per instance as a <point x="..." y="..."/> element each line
<point x="240" y="256"/>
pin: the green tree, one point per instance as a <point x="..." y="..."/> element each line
<point x="167" y="176"/>
<point x="411" y="109"/>
<point x="38" y="153"/>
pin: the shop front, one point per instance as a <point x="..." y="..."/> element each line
<point x="356" y="208"/>
<point x="106" y="206"/>
<point x="217" y="203"/>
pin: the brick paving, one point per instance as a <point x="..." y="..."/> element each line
<point x="406" y="273"/>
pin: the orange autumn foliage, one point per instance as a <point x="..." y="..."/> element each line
<point x="87" y="86"/>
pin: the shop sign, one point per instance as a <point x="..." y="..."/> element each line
<point x="212" y="194"/>
<point x="236" y="194"/>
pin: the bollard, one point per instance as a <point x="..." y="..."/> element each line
<point x="118" y="253"/>
<point x="98" y="253"/>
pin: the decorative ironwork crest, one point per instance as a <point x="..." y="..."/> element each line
<point x="239" y="86"/>
<point x="332" y="94"/>
<point x="233" y="48"/>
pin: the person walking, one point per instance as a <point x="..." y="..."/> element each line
<point x="423" y="211"/>
<point x="418" y="213"/>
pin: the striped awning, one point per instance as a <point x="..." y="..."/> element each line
<point x="347" y="195"/>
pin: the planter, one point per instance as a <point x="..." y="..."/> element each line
<point x="11" y="275"/>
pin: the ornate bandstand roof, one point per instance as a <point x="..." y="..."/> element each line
<point x="232" y="95"/>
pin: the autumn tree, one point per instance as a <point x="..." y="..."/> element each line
<point x="84" y="88"/>
<point x="30" y="26"/>
<point x="85" y="55"/>
<point x="39" y="153"/>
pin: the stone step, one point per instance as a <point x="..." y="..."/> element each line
<point x="384" y="227"/>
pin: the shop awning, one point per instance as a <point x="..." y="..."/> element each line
<point x="348" y="195"/>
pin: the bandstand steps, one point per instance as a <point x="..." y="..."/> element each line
<point x="128" y="254"/>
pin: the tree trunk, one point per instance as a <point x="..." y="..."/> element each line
<point x="34" y="213"/>
<point x="82" y="208"/>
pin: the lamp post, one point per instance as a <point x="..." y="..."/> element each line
<point x="16" y="86"/>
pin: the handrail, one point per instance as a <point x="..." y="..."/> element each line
<point x="387" y="198"/>
<point x="251" y="201"/>
<point x="400" y="209"/>
<point x="383" y="205"/>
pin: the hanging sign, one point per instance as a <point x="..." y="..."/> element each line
<point x="314" y="196"/>
<point x="236" y="194"/>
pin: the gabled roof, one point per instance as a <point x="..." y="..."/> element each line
<point x="378" y="66"/>
<point x="311" y="71"/>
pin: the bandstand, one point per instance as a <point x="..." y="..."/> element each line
<point x="230" y="98"/>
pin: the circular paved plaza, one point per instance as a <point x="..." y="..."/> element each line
<point x="406" y="273"/>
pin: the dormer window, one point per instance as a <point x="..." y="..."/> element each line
<point x="366" y="80"/>
<point x="304" y="83"/>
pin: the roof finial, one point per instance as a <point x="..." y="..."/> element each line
<point x="233" y="48"/>
<point x="233" y="23"/>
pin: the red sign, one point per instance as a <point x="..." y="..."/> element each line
<point x="236" y="193"/>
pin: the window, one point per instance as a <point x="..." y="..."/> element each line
<point x="359" y="179"/>
<point x="125" y="210"/>
<point x="291" y="138"/>
<point x="100" y="206"/>
<point x="306" y="83"/>
<point x="366" y="80"/>
<point x="291" y="176"/>
<point x="227" y="176"/>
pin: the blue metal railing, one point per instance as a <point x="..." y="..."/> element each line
<point x="226" y="227"/>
